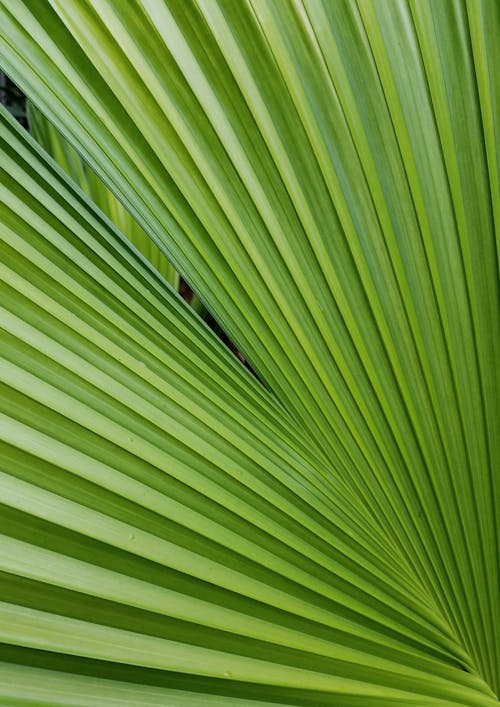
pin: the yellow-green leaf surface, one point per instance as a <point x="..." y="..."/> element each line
<point x="326" y="176"/>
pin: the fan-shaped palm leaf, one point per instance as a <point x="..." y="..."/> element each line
<point x="326" y="175"/>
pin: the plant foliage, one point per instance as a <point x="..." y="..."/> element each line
<point x="325" y="174"/>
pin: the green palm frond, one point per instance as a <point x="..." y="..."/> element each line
<point x="326" y="176"/>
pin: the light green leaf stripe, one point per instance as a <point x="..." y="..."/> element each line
<point x="47" y="688"/>
<point x="326" y="175"/>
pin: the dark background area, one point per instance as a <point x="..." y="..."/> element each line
<point x="13" y="99"/>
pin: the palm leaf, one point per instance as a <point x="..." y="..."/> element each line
<point x="326" y="176"/>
